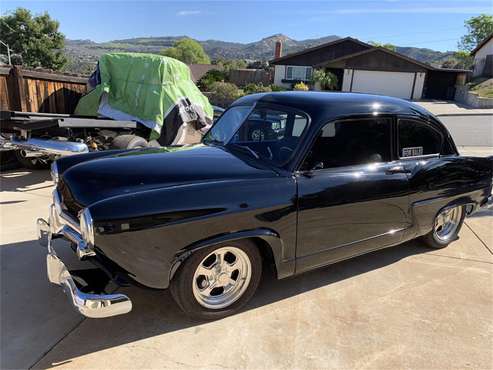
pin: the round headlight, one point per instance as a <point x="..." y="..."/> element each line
<point x="54" y="173"/>
<point x="86" y="227"/>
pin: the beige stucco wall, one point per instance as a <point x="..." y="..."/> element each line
<point x="279" y="75"/>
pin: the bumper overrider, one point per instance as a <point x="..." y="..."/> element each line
<point x="60" y="224"/>
<point x="489" y="203"/>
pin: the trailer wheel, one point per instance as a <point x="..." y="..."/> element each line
<point x="129" y="142"/>
<point x="32" y="163"/>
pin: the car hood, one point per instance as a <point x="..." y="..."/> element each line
<point x="145" y="169"/>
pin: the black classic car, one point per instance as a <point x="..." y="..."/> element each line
<point x="296" y="179"/>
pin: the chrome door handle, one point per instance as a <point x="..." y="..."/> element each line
<point x="397" y="169"/>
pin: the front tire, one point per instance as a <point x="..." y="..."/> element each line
<point x="217" y="281"/>
<point x="446" y="227"/>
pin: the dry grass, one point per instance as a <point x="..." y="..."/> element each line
<point x="484" y="88"/>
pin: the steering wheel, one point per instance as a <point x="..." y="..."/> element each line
<point x="257" y="135"/>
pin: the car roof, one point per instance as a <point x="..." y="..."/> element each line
<point x="331" y="105"/>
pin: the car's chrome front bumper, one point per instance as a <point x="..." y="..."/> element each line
<point x="89" y="305"/>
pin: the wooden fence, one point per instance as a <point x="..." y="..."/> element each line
<point x="242" y="77"/>
<point x="29" y="90"/>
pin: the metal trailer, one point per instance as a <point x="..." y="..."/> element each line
<point x="37" y="138"/>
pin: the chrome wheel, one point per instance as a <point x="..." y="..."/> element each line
<point x="446" y="224"/>
<point x="222" y="277"/>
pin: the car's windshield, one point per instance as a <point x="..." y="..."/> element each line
<point x="271" y="134"/>
<point x="226" y="125"/>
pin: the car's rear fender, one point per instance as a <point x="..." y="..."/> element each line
<point x="425" y="211"/>
<point x="448" y="181"/>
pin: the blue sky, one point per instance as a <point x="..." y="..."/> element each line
<point x="435" y="24"/>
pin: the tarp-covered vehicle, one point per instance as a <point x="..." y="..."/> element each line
<point x="135" y="100"/>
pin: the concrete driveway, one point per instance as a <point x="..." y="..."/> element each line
<point x="403" y="307"/>
<point x="468" y="126"/>
<point x="470" y="130"/>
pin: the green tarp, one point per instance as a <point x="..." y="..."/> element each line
<point x="145" y="86"/>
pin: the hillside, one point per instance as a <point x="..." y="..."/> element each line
<point x="83" y="54"/>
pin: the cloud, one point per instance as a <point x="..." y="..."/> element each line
<point x="186" y="13"/>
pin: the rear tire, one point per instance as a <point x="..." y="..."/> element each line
<point x="446" y="227"/>
<point x="129" y="142"/>
<point x="209" y="287"/>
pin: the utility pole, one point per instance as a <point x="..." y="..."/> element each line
<point x="8" y="51"/>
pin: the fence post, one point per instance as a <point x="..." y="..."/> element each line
<point x="17" y="95"/>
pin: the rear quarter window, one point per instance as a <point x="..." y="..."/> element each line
<point x="417" y="138"/>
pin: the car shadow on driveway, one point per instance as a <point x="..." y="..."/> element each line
<point x="481" y="213"/>
<point x="24" y="180"/>
<point x="35" y="313"/>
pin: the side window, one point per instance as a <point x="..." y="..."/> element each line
<point x="299" y="125"/>
<point x="418" y="138"/>
<point x="351" y="142"/>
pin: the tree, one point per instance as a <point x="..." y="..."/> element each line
<point x="35" y="39"/>
<point x="464" y="60"/>
<point x="188" y="51"/>
<point x="460" y="60"/>
<point x="478" y="29"/>
<point x="449" y="63"/>
<point x="381" y="45"/>
<point x="230" y="64"/>
<point x="210" y="77"/>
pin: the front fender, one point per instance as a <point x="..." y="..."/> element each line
<point x="144" y="232"/>
<point x="272" y="241"/>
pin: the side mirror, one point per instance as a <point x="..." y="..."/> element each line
<point x="318" y="166"/>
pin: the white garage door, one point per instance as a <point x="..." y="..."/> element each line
<point x="398" y="84"/>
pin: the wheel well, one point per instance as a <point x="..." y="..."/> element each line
<point x="263" y="247"/>
<point x="266" y="253"/>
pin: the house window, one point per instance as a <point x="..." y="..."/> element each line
<point x="298" y="73"/>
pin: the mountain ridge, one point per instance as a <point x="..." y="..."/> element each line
<point x="83" y="54"/>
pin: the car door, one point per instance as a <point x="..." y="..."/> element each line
<point x="352" y="196"/>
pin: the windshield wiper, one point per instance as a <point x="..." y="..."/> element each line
<point x="213" y="142"/>
<point x="246" y="148"/>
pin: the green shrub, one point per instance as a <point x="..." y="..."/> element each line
<point x="277" y="88"/>
<point x="210" y="77"/>
<point x="327" y="80"/>
<point x="300" y="86"/>
<point x="253" y="88"/>
<point x="224" y="92"/>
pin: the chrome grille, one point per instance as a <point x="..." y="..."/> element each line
<point x="68" y="203"/>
